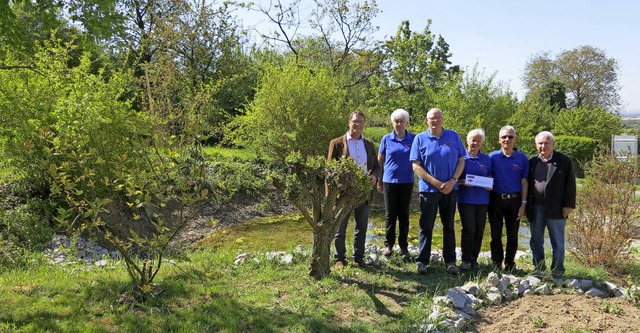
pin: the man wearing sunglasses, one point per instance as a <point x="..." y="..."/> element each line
<point x="507" y="203"/>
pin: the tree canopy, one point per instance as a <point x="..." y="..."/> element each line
<point x="588" y="75"/>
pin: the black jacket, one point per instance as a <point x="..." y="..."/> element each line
<point x="561" y="186"/>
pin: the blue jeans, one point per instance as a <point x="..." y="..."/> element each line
<point x="361" y="215"/>
<point x="430" y="204"/>
<point x="556" y="237"/>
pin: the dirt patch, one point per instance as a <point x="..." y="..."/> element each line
<point x="560" y="313"/>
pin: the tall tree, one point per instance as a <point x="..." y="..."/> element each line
<point x="337" y="34"/>
<point x="590" y="77"/>
<point x="414" y="64"/>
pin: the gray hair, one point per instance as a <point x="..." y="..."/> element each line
<point x="476" y="132"/>
<point x="400" y="114"/>
<point x="543" y="134"/>
<point x="508" y="128"/>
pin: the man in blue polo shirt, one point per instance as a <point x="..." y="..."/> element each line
<point x="437" y="156"/>
<point x="507" y="204"/>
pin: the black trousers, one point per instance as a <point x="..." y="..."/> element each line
<point x="473" y="218"/>
<point x="504" y="212"/>
<point x="397" y="198"/>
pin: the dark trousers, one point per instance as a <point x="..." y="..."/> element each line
<point x="361" y="216"/>
<point x="430" y="204"/>
<point x="397" y="198"/>
<point x="504" y="212"/>
<point x="473" y="218"/>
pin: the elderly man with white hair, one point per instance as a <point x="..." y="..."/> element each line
<point x="551" y="198"/>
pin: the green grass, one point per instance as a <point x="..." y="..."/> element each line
<point x="210" y="152"/>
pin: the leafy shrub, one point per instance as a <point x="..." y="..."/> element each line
<point x="28" y="224"/>
<point x="580" y="149"/>
<point x="295" y="109"/>
<point x="606" y="210"/>
<point x="235" y="175"/>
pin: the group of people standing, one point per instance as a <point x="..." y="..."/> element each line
<point x="542" y="188"/>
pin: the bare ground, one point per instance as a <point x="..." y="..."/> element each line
<point x="560" y="313"/>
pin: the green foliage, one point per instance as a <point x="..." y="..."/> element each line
<point x="590" y="122"/>
<point x="612" y="308"/>
<point x="606" y="211"/>
<point x="28" y="224"/>
<point x="79" y="143"/>
<point x="375" y="134"/>
<point x="56" y="110"/>
<point x="414" y="64"/>
<point x="538" y="322"/>
<point x="295" y="109"/>
<point x="530" y="118"/>
<point x="590" y="78"/>
<point x="475" y="102"/>
<point x="236" y="175"/>
<point x="578" y="148"/>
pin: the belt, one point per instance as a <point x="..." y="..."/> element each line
<point x="506" y="196"/>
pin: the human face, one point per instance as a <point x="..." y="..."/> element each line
<point x="434" y="121"/>
<point x="356" y="126"/>
<point x="544" y="145"/>
<point x="507" y="139"/>
<point x="474" y="144"/>
<point x="399" y="126"/>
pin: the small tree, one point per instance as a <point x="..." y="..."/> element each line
<point x="606" y="210"/>
<point x="332" y="188"/>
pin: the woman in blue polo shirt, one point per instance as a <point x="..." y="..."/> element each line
<point x="397" y="181"/>
<point x="473" y="201"/>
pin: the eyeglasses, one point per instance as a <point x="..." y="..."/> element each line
<point x="504" y="137"/>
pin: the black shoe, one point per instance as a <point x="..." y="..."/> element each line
<point x="510" y="267"/>
<point x="496" y="266"/>
<point x="405" y="255"/>
<point x="358" y="263"/>
<point x="388" y="251"/>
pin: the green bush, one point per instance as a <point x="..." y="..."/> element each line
<point x="295" y="109"/>
<point x="579" y="148"/>
<point x="28" y="224"/>
<point x="236" y="175"/>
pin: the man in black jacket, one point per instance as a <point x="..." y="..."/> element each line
<point x="551" y="198"/>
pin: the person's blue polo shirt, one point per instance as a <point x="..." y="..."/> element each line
<point x="508" y="171"/>
<point x="397" y="167"/>
<point x="479" y="166"/>
<point x="438" y="156"/>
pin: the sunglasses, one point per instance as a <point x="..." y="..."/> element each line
<point x="504" y="137"/>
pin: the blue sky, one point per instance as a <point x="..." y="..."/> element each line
<point x="500" y="36"/>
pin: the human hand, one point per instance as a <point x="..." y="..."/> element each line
<point x="380" y="187"/>
<point x="447" y="187"/>
<point x="566" y="211"/>
<point x="522" y="211"/>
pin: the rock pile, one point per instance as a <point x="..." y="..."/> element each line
<point x="63" y="249"/>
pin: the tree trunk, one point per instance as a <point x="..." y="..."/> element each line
<point x="321" y="256"/>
